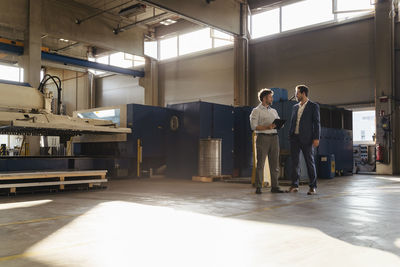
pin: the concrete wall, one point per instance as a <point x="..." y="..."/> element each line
<point x="75" y="89"/>
<point x="206" y="77"/>
<point x="117" y="90"/>
<point x="58" y="20"/>
<point x="337" y="63"/>
<point x="209" y="14"/>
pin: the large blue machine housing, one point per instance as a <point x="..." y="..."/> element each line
<point x="149" y="125"/>
<point x="198" y="120"/>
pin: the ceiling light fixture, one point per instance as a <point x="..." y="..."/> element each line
<point x="168" y="22"/>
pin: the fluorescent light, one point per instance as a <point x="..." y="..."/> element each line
<point x="168" y="22"/>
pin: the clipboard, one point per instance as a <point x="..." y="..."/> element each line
<point x="279" y="123"/>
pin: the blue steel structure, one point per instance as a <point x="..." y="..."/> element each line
<point x="325" y="168"/>
<point x="149" y="124"/>
<point x="243" y="158"/>
<point x="89" y="64"/>
<point x="199" y="120"/>
<point x="19" y="50"/>
<point x="280" y="94"/>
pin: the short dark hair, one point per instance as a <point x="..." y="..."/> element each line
<point x="263" y="93"/>
<point x="302" y="89"/>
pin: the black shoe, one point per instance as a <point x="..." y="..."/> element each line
<point x="312" y="191"/>
<point x="258" y="190"/>
<point x="277" y="190"/>
<point x="293" y="189"/>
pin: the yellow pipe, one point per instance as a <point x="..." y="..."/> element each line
<point x="253" y="173"/>
<point x="139" y="157"/>
<point x="18" y="43"/>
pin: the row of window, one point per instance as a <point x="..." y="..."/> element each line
<point x="279" y="19"/>
<point x="119" y="59"/>
<point x="305" y="13"/>
<point x="263" y="23"/>
<point x="187" y="43"/>
<point x="11" y="73"/>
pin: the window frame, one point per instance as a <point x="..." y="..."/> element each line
<point x="204" y="51"/>
<point x="336" y="11"/>
<point x="363" y="142"/>
<point x="368" y="14"/>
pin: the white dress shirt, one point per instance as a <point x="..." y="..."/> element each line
<point x="299" y="114"/>
<point x="263" y="116"/>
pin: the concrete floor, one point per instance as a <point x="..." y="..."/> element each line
<point x="353" y="221"/>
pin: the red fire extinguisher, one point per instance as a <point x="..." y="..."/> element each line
<point x="379" y="153"/>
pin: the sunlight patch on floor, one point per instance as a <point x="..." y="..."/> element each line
<point x="25" y="204"/>
<point x="121" y="233"/>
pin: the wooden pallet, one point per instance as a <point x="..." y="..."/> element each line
<point x="11" y="177"/>
<point x="210" y="179"/>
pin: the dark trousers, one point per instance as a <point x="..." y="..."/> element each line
<point x="295" y="147"/>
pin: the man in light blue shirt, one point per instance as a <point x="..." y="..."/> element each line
<point x="261" y="121"/>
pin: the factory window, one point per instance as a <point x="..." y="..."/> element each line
<point x="4" y="139"/>
<point x="95" y="72"/>
<point x="138" y="61"/>
<point x="169" y="48"/>
<point x="306" y="13"/>
<point x="345" y="9"/>
<point x="363" y="126"/>
<point x="192" y="42"/>
<point x="195" y="41"/>
<point x="11" y="73"/>
<point x="103" y="60"/>
<point x="150" y="49"/>
<point x="221" y="38"/>
<point x="265" y="23"/>
<point x="286" y="17"/>
<point x="353" y="5"/>
<point x="121" y="60"/>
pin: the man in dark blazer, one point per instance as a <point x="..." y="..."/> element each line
<point x="304" y="136"/>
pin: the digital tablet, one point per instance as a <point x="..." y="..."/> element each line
<point x="279" y="123"/>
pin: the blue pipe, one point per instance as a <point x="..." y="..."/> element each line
<point x="89" y="64"/>
<point x="19" y="50"/>
<point x="11" y="49"/>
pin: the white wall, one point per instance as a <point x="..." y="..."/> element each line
<point x="207" y="77"/>
<point x="75" y="89"/>
<point x="117" y="90"/>
<point x="337" y="63"/>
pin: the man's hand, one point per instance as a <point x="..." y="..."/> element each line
<point x="264" y="127"/>
<point x="316" y="143"/>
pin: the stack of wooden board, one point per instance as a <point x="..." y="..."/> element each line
<point x="14" y="180"/>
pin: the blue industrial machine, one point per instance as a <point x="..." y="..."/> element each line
<point x="33" y="115"/>
<point x="326" y="166"/>
<point x="280" y="94"/>
<point x="243" y="157"/>
<point x="198" y="120"/>
<point x="120" y="155"/>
